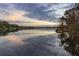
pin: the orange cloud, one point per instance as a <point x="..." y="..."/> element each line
<point x="15" y="15"/>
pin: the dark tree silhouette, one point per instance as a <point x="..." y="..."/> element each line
<point x="70" y="28"/>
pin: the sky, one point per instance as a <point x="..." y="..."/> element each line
<point x="33" y="13"/>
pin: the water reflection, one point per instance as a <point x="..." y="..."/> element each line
<point x="31" y="42"/>
<point x="70" y="44"/>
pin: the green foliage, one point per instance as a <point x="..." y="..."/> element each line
<point x="6" y="27"/>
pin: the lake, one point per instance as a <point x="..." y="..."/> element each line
<point x="32" y="42"/>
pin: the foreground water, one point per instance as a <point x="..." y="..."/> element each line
<point x="32" y="43"/>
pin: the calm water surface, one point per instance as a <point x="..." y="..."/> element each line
<point x="32" y="43"/>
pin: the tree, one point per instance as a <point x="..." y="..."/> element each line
<point x="70" y="25"/>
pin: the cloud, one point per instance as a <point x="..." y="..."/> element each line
<point x="40" y="11"/>
<point x="15" y="15"/>
<point x="59" y="8"/>
<point x="7" y="14"/>
<point x="45" y="11"/>
<point x="35" y="10"/>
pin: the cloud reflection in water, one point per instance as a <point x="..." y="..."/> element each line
<point x="31" y="42"/>
<point x="18" y="37"/>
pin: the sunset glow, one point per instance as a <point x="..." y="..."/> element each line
<point x="14" y="17"/>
